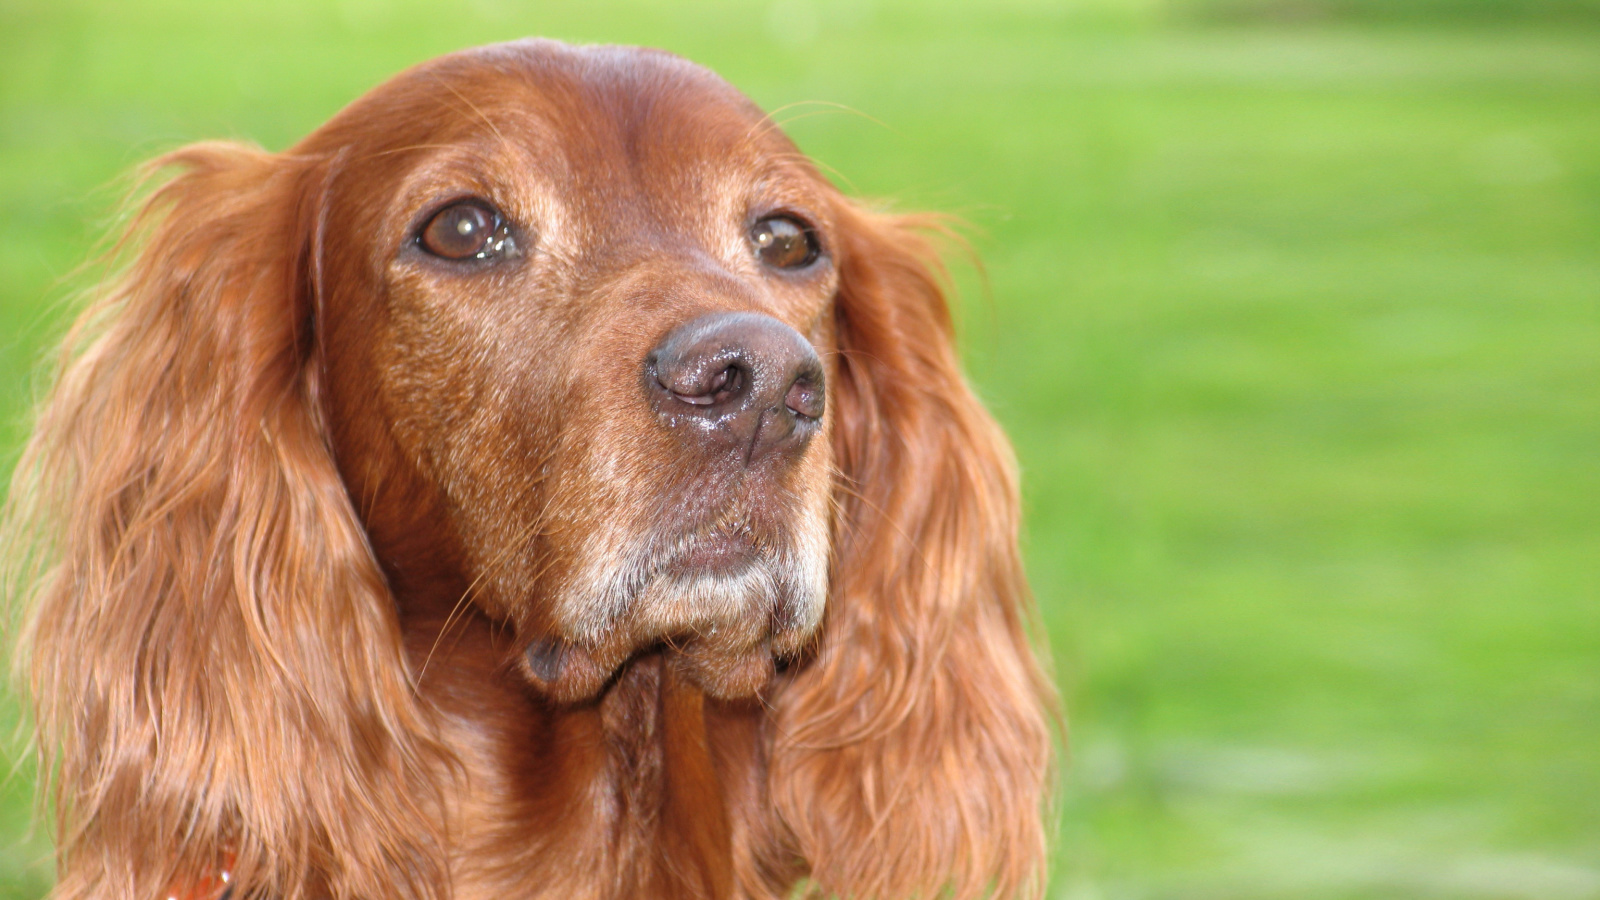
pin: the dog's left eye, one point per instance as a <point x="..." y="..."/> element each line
<point x="467" y="230"/>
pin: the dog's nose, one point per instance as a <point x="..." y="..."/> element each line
<point x="737" y="381"/>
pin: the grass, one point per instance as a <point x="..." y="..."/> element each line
<point x="1296" y="328"/>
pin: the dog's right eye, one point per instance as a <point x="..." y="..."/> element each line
<point x="784" y="243"/>
<point x="467" y="230"/>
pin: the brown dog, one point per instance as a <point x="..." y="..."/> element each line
<point x="537" y="482"/>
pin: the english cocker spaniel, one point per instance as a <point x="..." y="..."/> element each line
<point x="537" y="482"/>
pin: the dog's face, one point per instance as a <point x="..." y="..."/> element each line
<point x="575" y="321"/>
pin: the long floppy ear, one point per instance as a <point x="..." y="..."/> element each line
<point x="212" y="653"/>
<point x="912" y="756"/>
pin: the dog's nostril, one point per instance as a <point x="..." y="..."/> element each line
<point x="805" y="399"/>
<point x="689" y="393"/>
<point x="727" y="382"/>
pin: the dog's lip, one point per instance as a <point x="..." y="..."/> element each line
<point x="718" y="551"/>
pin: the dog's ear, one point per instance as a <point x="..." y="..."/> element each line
<point x="213" y="656"/>
<point x="912" y="755"/>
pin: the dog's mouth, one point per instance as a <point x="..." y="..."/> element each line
<point x="726" y="603"/>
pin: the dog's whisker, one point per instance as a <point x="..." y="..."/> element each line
<point x="460" y="605"/>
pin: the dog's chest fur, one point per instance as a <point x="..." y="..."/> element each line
<point x="652" y="790"/>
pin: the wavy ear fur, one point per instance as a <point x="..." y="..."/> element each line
<point x="212" y="653"/>
<point x="912" y="756"/>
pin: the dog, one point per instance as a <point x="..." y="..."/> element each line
<point x="537" y="482"/>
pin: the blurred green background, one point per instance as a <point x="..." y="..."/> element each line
<point x="1292" y="310"/>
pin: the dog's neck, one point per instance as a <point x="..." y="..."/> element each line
<point x="650" y="790"/>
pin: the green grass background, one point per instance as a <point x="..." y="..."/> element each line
<point x="1293" y="314"/>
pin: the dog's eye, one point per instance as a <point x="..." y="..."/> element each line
<point x="783" y="243"/>
<point x="467" y="230"/>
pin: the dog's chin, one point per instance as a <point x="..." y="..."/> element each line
<point x="568" y="674"/>
<point x="723" y="614"/>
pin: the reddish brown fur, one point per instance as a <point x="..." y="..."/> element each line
<point x="301" y="498"/>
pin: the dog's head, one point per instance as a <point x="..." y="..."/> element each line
<point x="576" y="310"/>
<point x="572" y="339"/>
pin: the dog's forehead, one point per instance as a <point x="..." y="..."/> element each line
<point x="601" y="104"/>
